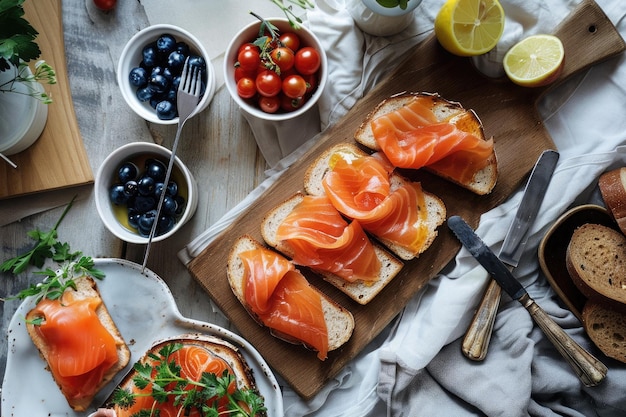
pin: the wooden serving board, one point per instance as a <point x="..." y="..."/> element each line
<point x="58" y="158"/>
<point x="508" y="114"/>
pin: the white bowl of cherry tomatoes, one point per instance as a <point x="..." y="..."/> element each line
<point x="276" y="74"/>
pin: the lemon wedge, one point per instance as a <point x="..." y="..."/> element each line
<point x="469" y="27"/>
<point x="534" y="61"/>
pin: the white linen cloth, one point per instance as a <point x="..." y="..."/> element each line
<point x="415" y="367"/>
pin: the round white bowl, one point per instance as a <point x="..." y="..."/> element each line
<point x="132" y="56"/>
<point x="107" y="177"/>
<point x="248" y="34"/>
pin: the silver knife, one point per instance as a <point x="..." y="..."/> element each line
<point x="478" y="335"/>
<point x="589" y="369"/>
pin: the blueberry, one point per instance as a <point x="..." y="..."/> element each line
<point x="150" y="56"/>
<point x="117" y="195"/>
<point x="127" y="171"/>
<point x="164" y="71"/>
<point x="145" y="222"/>
<point x="156" y="169"/>
<point x="165" y="44"/>
<point x="138" y="77"/>
<point x="171" y="96"/>
<point x="181" y="204"/>
<point x="144" y="203"/>
<point x="166" y="110"/>
<point x="175" y="62"/>
<point x="183" y="48"/>
<point x="156" y="99"/>
<point x="131" y="188"/>
<point x="159" y="83"/>
<point x="175" y="82"/>
<point x="197" y="61"/>
<point x="172" y="188"/>
<point x="133" y="218"/>
<point x="169" y="206"/>
<point x="145" y="93"/>
<point x="165" y="224"/>
<point x="145" y="185"/>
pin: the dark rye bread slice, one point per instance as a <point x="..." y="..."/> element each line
<point x="466" y="120"/>
<point x="220" y="348"/>
<point x="596" y="262"/>
<point x="434" y="205"/>
<point x="85" y="288"/>
<point x="612" y="186"/>
<point x="360" y="291"/>
<point x="606" y="327"/>
<point x="339" y="321"/>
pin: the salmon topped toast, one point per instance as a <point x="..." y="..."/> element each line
<point x="426" y="131"/>
<point x="364" y="187"/>
<point x="309" y="230"/>
<point x="279" y="297"/>
<point x="79" y="341"/>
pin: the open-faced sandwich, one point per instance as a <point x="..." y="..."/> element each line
<point x="420" y="130"/>
<point x="278" y="296"/>
<point x="79" y="341"/>
<point x="192" y="372"/>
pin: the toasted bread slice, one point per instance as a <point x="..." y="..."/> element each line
<point x="85" y="288"/>
<point x="596" y="262"/>
<point x="606" y="327"/>
<point x="339" y="321"/>
<point x="360" y="291"/>
<point x="214" y="346"/>
<point x="482" y="181"/>
<point x="434" y="205"/>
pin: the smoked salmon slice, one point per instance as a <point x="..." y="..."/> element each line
<point x="412" y="137"/>
<point x="360" y="188"/>
<point x="81" y="349"/>
<point x="321" y="238"/>
<point x="290" y="307"/>
<point x="194" y="361"/>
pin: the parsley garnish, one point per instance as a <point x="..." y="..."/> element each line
<point x="17" y="36"/>
<point x="164" y="377"/>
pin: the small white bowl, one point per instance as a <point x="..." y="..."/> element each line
<point x="131" y="57"/>
<point x="248" y="34"/>
<point x="106" y="177"/>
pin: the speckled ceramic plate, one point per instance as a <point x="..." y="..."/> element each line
<point x="553" y="247"/>
<point x="144" y="310"/>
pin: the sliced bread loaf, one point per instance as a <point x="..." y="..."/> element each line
<point x="596" y="262"/>
<point x="612" y="186"/>
<point x="606" y="327"/>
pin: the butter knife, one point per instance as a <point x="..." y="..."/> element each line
<point x="478" y="335"/>
<point x="588" y="368"/>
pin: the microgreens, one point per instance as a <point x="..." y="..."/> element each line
<point x="55" y="282"/>
<point x="164" y="377"/>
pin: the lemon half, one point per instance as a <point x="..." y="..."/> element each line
<point x="469" y="27"/>
<point x="534" y="61"/>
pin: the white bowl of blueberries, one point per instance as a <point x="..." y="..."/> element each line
<point x="127" y="191"/>
<point x="149" y="69"/>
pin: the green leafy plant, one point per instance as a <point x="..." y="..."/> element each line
<point x="163" y="375"/>
<point x="55" y="281"/>
<point x="17" y="48"/>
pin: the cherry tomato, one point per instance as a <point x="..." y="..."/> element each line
<point x="269" y="104"/>
<point x="249" y="59"/>
<point x="268" y="83"/>
<point x="105" y="5"/>
<point x="283" y="57"/>
<point x="311" y="83"/>
<point x="289" y="104"/>
<point x="247" y="46"/>
<point x="307" y="60"/>
<point x="240" y="73"/>
<point x="246" y="87"/>
<point x="294" y="86"/>
<point x="290" y="40"/>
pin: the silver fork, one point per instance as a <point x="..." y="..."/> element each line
<point x="187" y="99"/>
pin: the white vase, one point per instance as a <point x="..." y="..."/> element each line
<point x="22" y="117"/>
<point x="374" y="19"/>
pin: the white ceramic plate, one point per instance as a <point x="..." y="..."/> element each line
<point x="144" y="310"/>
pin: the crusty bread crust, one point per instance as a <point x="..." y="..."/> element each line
<point x="86" y="288"/>
<point x="466" y="120"/>
<point x="612" y="186"/>
<point x="435" y="206"/>
<point x="606" y="327"/>
<point x="360" y="291"/>
<point x="596" y="262"/>
<point x="339" y="321"/>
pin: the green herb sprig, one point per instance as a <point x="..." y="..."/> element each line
<point x="164" y="377"/>
<point x="55" y="282"/>
<point x="294" y="20"/>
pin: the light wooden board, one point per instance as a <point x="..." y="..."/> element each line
<point x="58" y="158"/>
<point x="508" y="114"/>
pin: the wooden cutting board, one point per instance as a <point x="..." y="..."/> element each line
<point x="509" y="115"/>
<point x="58" y="159"/>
